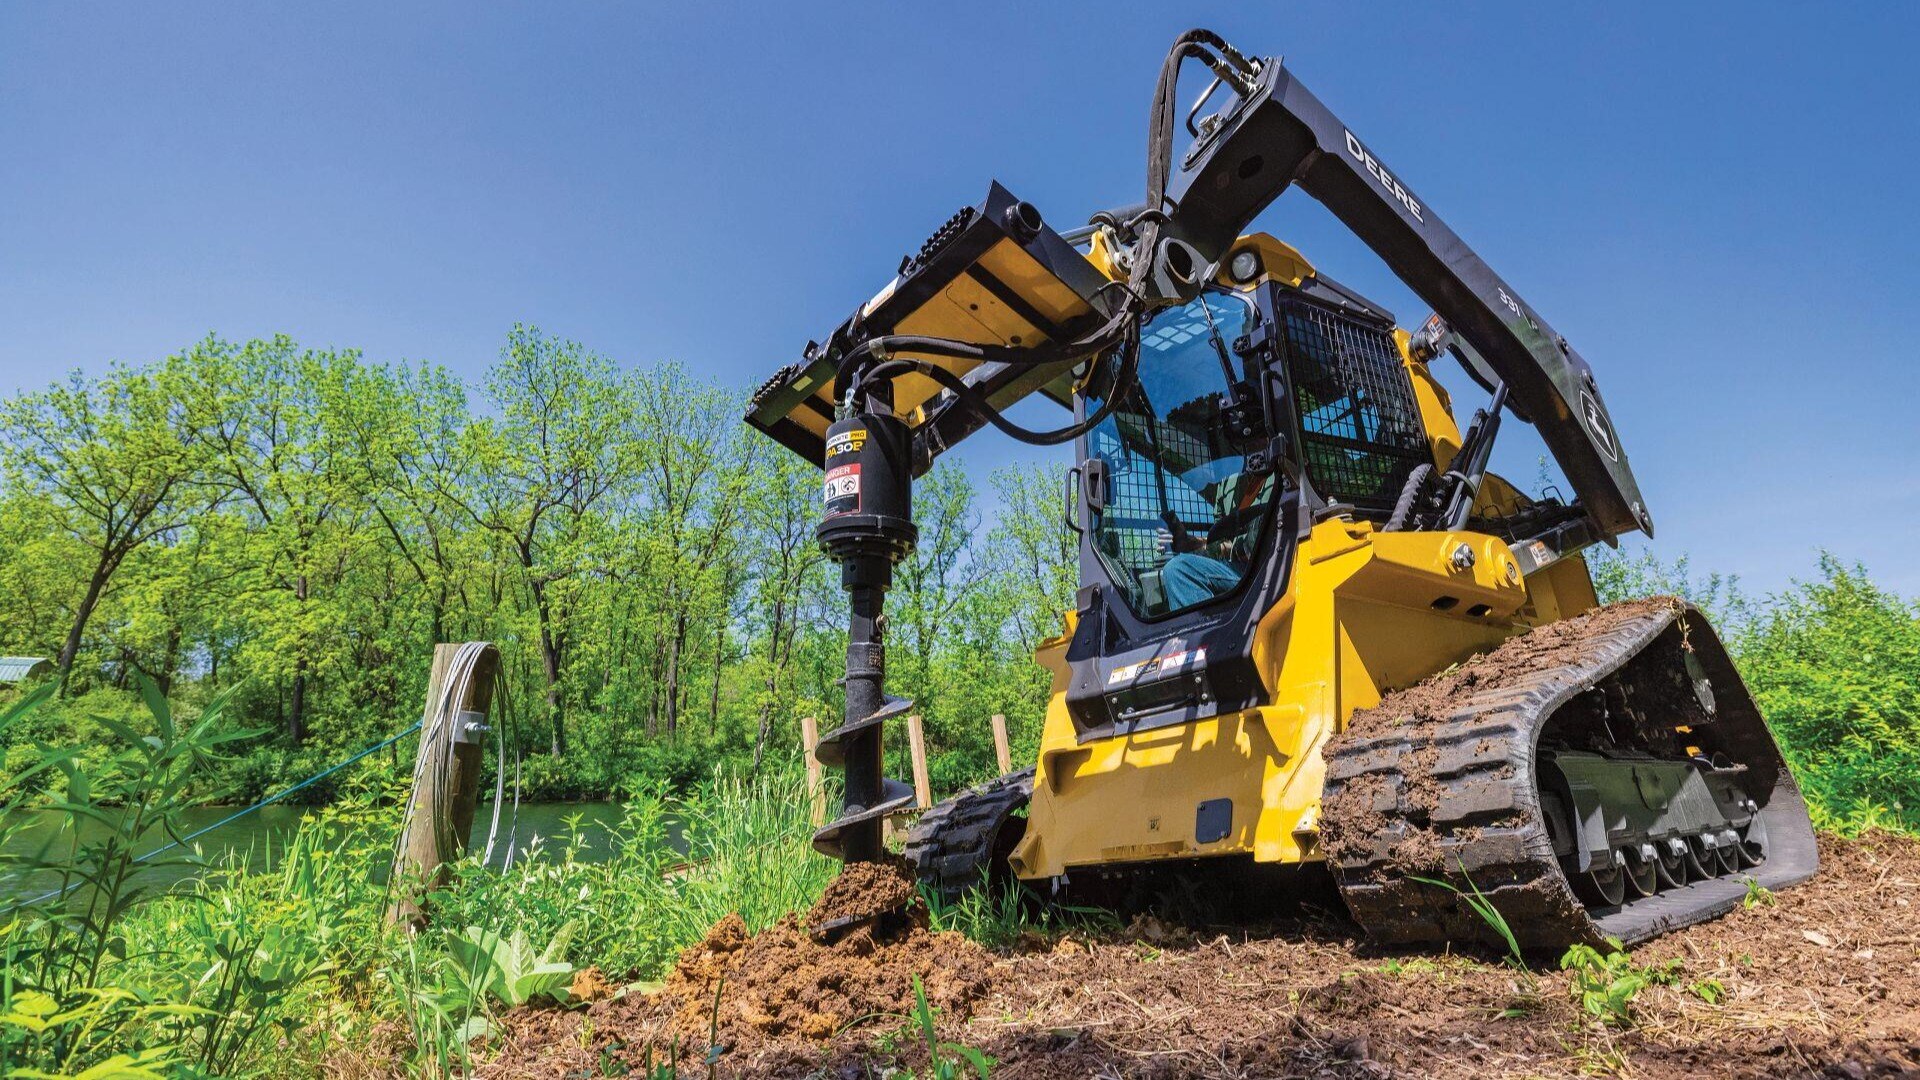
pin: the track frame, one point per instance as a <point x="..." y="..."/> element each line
<point x="1456" y="799"/>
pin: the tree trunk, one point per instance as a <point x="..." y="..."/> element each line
<point x="297" y="709"/>
<point x="655" y="668"/>
<point x="550" y="648"/>
<point x="163" y="680"/>
<point x="673" y="673"/>
<point x="774" y="661"/>
<point x="102" y="570"/>
<point x="713" y="699"/>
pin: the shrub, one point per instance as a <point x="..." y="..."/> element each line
<point x="1835" y="666"/>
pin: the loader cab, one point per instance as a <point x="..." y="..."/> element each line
<point x="1183" y="510"/>
<point x="1256" y="407"/>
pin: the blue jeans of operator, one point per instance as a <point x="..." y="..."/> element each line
<point x="1190" y="579"/>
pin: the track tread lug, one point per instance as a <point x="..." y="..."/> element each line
<point x="1462" y="789"/>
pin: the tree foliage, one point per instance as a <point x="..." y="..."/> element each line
<point x="299" y="526"/>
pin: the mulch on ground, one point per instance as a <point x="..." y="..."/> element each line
<point x="1824" y="981"/>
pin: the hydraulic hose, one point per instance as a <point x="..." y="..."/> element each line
<point x="1123" y="376"/>
<point x="1409" y="493"/>
<point x="1121" y="329"/>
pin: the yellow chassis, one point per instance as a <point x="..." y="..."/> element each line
<point x="1365" y="612"/>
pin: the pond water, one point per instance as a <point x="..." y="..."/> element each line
<point x="261" y="835"/>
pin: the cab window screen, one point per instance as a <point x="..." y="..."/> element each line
<point x="1184" y="513"/>
<point x="1360" y="430"/>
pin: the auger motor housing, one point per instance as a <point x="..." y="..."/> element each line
<point x="867" y="528"/>
<point x="868" y="493"/>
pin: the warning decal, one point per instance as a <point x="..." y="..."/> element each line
<point x="843" y="489"/>
<point x="1174" y="662"/>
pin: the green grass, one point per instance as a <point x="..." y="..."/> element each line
<point x="1000" y="917"/>
<point x="242" y="971"/>
<point x="1483" y="908"/>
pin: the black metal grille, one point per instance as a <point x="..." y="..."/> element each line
<point x="1360" y="428"/>
<point x="1138" y="495"/>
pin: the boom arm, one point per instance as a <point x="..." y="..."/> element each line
<point x="996" y="305"/>
<point x="1277" y="134"/>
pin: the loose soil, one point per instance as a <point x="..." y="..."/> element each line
<point x="1444" y="694"/>
<point x="1824" y="981"/>
<point x="867" y="890"/>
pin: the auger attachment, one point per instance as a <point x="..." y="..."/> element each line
<point x="868" y="527"/>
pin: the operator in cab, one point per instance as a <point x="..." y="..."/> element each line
<point x="1203" y="568"/>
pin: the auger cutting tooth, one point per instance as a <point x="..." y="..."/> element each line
<point x="831" y="749"/>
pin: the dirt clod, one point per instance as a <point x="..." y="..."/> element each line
<point x="589" y="985"/>
<point x="866" y="889"/>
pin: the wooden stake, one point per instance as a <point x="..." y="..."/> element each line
<point x="816" y="791"/>
<point x="1001" y="752"/>
<point x="420" y="866"/>
<point x="917" y="746"/>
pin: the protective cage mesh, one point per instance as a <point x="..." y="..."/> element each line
<point x="1136" y="495"/>
<point x="1360" y="429"/>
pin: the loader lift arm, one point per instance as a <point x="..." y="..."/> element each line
<point x="1271" y="134"/>
<point x="1276" y="134"/>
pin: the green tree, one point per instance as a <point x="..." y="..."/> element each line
<point x="1034" y="551"/>
<point x="413" y="452"/>
<point x="273" y="421"/>
<point x="783" y="510"/>
<point x="1834" y="665"/>
<point x="113" y="467"/>
<point x="542" y="471"/>
<point x="695" y="468"/>
<point x="931" y="585"/>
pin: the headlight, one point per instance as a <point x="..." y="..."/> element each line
<point x="1244" y="267"/>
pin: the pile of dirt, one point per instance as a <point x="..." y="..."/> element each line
<point x="782" y="983"/>
<point x="1822" y="980"/>
<point x="767" y="993"/>
<point x="1444" y="694"/>
<point x="864" y="890"/>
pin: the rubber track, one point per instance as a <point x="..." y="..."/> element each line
<point x="952" y="845"/>
<point x="1456" y="799"/>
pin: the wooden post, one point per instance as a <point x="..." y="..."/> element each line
<point x="917" y="746"/>
<point x="816" y="791"/>
<point x="420" y="866"/>
<point x="1001" y="751"/>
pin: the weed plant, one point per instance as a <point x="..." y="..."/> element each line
<point x="1606" y="983"/>
<point x="246" y="971"/>
<point x="1000" y="917"/>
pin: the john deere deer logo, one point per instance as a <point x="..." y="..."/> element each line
<point x="1597" y="423"/>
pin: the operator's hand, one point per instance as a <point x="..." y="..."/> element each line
<point x="1163" y="541"/>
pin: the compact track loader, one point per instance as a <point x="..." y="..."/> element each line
<point x="1312" y="626"/>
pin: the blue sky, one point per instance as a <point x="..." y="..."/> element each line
<point x="1713" y="202"/>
